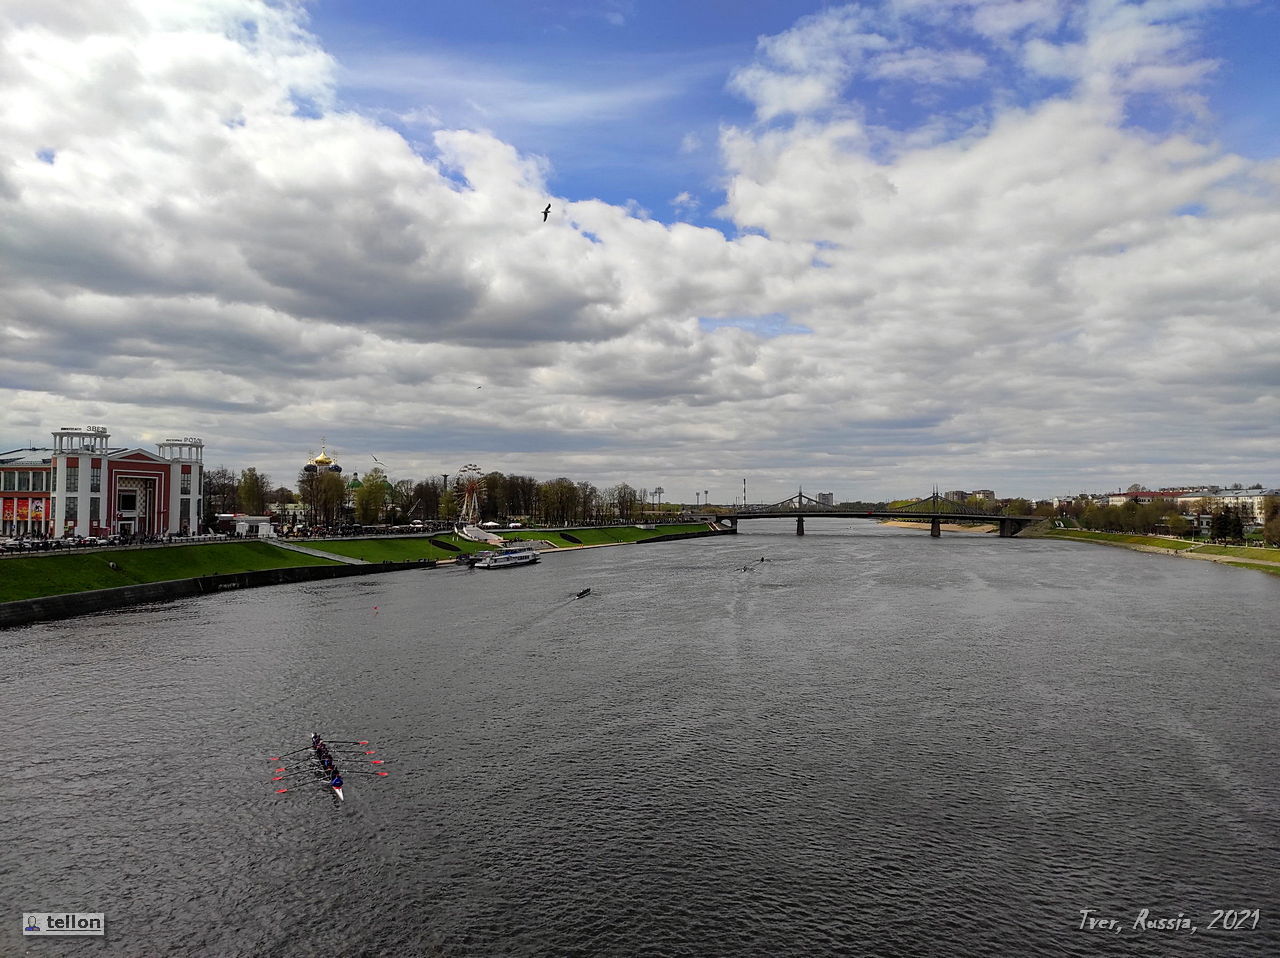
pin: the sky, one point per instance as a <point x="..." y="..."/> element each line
<point x="866" y="248"/>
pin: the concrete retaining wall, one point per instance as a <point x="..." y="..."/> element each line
<point x="49" y="607"/>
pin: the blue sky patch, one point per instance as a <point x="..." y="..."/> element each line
<point x="768" y="326"/>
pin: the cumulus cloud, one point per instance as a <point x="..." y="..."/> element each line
<point x="1020" y="282"/>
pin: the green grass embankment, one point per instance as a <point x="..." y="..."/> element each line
<point x="1253" y="554"/>
<point x="613" y="535"/>
<point x="1259" y="559"/>
<point x="420" y="547"/>
<point x="31" y="577"/>
<point x="408" y="549"/>
<point x="1119" y="539"/>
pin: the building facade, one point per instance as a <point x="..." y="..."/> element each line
<point x="85" y="486"/>
<point x="24" y="492"/>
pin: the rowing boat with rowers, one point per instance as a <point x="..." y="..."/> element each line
<point x="321" y="765"/>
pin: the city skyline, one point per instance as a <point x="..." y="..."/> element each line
<point x="860" y="248"/>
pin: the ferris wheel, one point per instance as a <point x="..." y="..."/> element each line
<point x="471" y="483"/>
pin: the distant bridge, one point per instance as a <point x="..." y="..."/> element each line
<point x="936" y="509"/>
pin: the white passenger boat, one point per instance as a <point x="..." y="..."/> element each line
<point x="504" y="558"/>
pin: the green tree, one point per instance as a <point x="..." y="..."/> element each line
<point x="253" y="491"/>
<point x="371" y="498"/>
<point x="558" y="500"/>
<point x="449" y="505"/>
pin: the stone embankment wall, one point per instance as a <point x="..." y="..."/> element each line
<point x="42" y="609"/>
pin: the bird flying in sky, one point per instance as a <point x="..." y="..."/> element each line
<point x="545" y="212"/>
<point x="377" y="460"/>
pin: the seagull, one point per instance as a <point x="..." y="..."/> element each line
<point x="545" y="212"/>
<point x="377" y="460"/>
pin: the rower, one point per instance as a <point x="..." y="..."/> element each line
<point x="336" y="782"/>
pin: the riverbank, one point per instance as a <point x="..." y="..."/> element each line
<point x="1258" y="559"/>
<point x="55" y="586"/>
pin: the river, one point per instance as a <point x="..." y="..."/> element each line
<point x="871" y="743"/>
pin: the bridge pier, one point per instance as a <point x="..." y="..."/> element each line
<point x="935" y="528"/>
<point x="799" y="525"/>
<point x="1008" y="528"/>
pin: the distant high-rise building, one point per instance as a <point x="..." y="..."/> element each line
<point x="956" y="495"/>
<point x="826" y="498"/>
<point x="983" y="493"/>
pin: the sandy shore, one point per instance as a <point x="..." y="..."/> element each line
<point x="945" y="526"/>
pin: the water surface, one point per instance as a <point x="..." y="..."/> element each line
<point x="871" y="743"/>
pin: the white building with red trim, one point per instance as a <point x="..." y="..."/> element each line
<point x="24" y="492"/>
<point x="90" y="488"/>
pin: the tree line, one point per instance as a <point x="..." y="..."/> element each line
<point x="330" y="498"/>
<point x="1226" y="522"/>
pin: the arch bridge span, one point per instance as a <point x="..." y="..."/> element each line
<point x="935" y="510"/>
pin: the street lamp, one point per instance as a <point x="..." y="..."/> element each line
<point x="658" y="492"/>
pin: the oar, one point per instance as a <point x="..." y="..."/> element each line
<point x="358" y="772"/>
<point x="290" y="768"/>
<point x="346" y="743"/>
<point x="281" y="791"/>
<point x="294" y="773"/>
<point x="276" y="758"/>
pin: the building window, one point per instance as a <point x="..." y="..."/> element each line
<point x="128" y="501"/>
<point x="186" y="484"/>
<point x="10" y="481"/>
<point x="73" y="508"/>
<point x="95" y="509"/>
<point x="95" y="479"/>
<point x="53" y="479"/>
<point x="24" y="481"/>
<point x="73" y="478"/>
<point x="37" y="482"/>
<point x="184" y="511"/>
